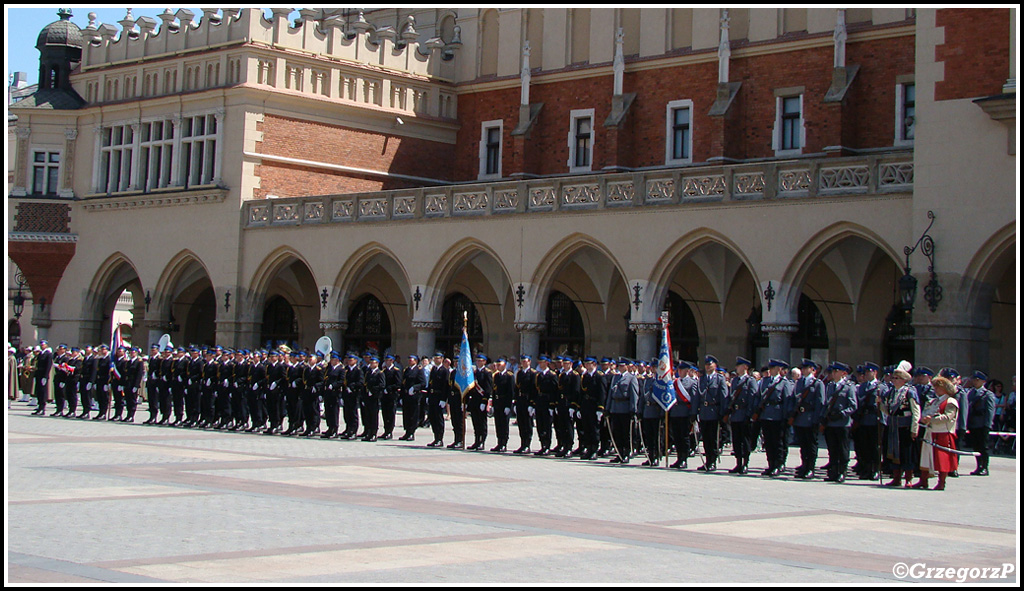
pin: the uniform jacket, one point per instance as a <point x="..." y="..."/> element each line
<point x="867" y="409"/>
<point x="682" y="407"/>
<point x="840" y="404"/>
<point x="622" y="394"/>
<point x="981" y="408"/>
<point x="712" y="397"/>
<point x="744" y="399"/>
<point x="808" y="401"/>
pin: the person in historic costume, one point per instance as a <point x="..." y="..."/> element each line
<point x="939" y="418"/>
<point x="903" y="412"/>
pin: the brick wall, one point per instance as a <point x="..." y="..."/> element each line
<point x="308" y="140"/>
<point x="43" y="265"/>
<point x="43" y="217"/>
<point x="867" y="113"/>
<point x="976" y="52"/>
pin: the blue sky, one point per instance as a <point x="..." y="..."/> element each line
<point x="23" y="23"/>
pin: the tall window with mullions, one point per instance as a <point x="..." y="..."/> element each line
<point x="564" y="334"/>
<point x="450" y="338"/>
<point x="45" y="172"/>
<point x="368" y="326"/>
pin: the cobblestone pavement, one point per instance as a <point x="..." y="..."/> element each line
<point x="95" y="502"/>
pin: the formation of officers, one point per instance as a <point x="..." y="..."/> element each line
<point x="604" y="408"/>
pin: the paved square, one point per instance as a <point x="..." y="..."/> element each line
<point x="99" y="502"/>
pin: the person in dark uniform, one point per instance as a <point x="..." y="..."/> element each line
<point x="256" y="393"/>
<point x="41" y="376"/>
<point x="74" y="365"/>
<point x="310" y="379"/>
<point x="592" y="400"/>
<point x="775" y="394"/>
<point x="87" y="381"/>
<point x="60" y="378"/>
<point x="568" y="406"/>
<point x="392" y="393"/>
<point x="439" y="390"/>
<point x="651" y="423"/>
<point x="608" y="371"/>
<point x="414" y="389"/>
<point x="209" y="384"/>
<point x="743" y="402"/>
<point x="502" y="401"/>
<point x="712" y="402"/>
<point x="352" y="395"/>
<point x="133" y="371"/>
<point x="865" y="424"/>
<point x="239" y="381"/>
<point x="525" y="403"/>
<point x="333" y="383"/>
<point x="836" y="420"/>
<point x="809" y="400"/>
<point x="621" y="404"/>
<point x="166" y="385"/>
<point x="682" y="413"/>
<point x="293" y="393"/>
<point x="277" y="385"/>
<point x="376" y="385"/>
<point x="153" y="380"/>
<point x="102" y="385"/>
<point x="546" y="394"/>
<point x="980" y="415"/>
<point x="193" y="388"/>
<point x="477" y="400"/>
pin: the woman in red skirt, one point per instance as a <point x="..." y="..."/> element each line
<point x="940" y="419"/>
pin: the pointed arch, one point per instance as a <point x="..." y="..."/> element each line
<point x="818" y="246"/>
<point x="356" y="267"/>
<point x="686" y="247"/>
<point x="110" y="276"/>
<point x="456" y="257"/>
<point x="265" y="273"/>
<point x="988" y="259"/>
<point x="173" y="272"/>
<point x="561" y="253"/>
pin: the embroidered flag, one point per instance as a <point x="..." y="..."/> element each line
<point x="465" y="378"/>
<point x="663" y="388"/>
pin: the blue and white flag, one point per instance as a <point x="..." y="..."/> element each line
<point x="664" y="379"/>
<point x="115" y="344"/>
<point x="465" y="377"/>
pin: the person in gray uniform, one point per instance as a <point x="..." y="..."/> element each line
<point x="743" y="401"/>
<point x="712" y="405"/>
<point x="981" y="412"/>
<point x="808" y="404"/>
<point x="836" y="420"/>
<point x="620" y="404"/>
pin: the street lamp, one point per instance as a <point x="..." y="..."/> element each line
<point x="908" y="283"/>
<point x="19" y="298"/>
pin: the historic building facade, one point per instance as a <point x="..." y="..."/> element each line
<point x="561" y="176"/>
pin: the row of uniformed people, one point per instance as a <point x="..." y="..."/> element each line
<point x="225" y="389"/>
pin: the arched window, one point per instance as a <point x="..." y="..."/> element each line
<point x="280" y="326"/>
<point x="368" y="326"/>
<point x="447" y="28"/>
<point x="682" y="328"/>
<point x="450" y="338"/>
<point x="812" y="333"/>
<point x="565" y="334"/>
<point x="489" y="43"/>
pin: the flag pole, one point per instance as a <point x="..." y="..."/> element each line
<point x="462" y="395"/>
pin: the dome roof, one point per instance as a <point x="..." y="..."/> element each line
<point x="61" y="33"/>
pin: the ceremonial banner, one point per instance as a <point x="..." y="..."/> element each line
<point x="465" y="378"/>
<point x="664" y="380"/>
<point x="115" y="342"/>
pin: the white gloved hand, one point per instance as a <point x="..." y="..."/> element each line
<point x="531" y="411"/>
<point x="483" y="407"/>
<point x="179" y="378"/>
<point x="551" y="411"/>
<point x="44" y="381"/>
<point x="600" y="415"/>
<point x="207" y="381"/>
<point x="88" y="386"/>
<point x="60" y="385"/>
<point x="273" y="385"/>
<point x="254" y="387"/>
<point x="508" y="411"/>
<point x="225" y="383"/>
<point x="443" y="404"/>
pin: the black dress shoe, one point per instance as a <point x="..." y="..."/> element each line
<point x="522" y="450"/>
<point x="982" y="472"/>
<point x="954" y="474"/>
<point x="435" y="443"/>
<point x="455" y="444"/>
<point x="326" y="435"/>
<point x="386" y="436"/>
<point x="841" y="478"/>
<point x="679" y="465"/>
<point x="499" y="449"/>
<point x="542" y="452"/>
<point x="615" y="460"/>
<point x="99" y="418"/>
<point x="370" y="439"/>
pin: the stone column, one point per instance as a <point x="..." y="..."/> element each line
<point x="218" y="159"/>
<point x="646" y="339"/>
<point x="134" y="182"/>
<point x="41" y="320"/>
<point x="529" y="337"/>
<point x="956" y="334"/>
<point x="780" y="335"/>
<point x="426" y="337"/>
